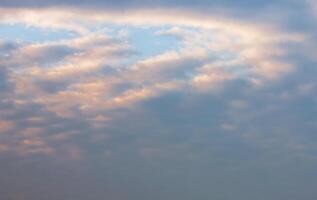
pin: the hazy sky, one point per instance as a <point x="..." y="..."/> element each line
<point x="158" y="100"/>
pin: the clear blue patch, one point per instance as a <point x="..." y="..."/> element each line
<point x="20" y="32"/>
<point x="145" y="40"/>
<point x="150" y="44"/>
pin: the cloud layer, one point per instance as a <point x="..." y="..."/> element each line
<point x="228" y="112"/>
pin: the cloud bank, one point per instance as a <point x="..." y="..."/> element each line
<point x="227" y="112"/>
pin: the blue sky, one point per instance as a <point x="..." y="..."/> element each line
<point x="144" y="39"/>
<point x="173" y="100"/>
<point x="23" y="33"/>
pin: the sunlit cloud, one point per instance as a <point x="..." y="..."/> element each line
<point x="94" y="73"/>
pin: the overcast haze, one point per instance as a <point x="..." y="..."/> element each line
<point x="158" y="100"/>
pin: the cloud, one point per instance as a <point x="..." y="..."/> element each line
<point x="235" y="97"/>
<point x="94" y="75"/>
<point x="4" y="79"/>
<point x="87" y="77"/>
<point x="290" y="14"/>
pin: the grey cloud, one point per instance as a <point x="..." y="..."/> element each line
<point x="3" y="79"/>
<point x="28" y="55"/>
<point x="124" y="3"/>
<point x="295" y="13"/>
<point x="174" y="146"/>
<point x="6" y="47"/>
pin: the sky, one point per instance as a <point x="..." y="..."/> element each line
<point x="158" y="100"/>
